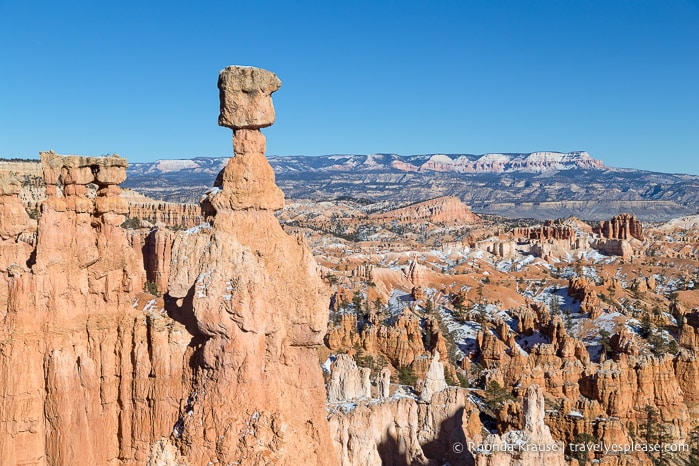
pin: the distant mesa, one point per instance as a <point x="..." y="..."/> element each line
<point x="535" y="162"/>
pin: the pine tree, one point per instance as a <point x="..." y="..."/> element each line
<point x="496" y="395"/>
<point x="646" y="326"/>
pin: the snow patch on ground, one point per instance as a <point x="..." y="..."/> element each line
<point x="517" y="264"/>
<point x="398" y="300"/>
<point x="150" y="306"/>
<point x="591" y="273"/>
<point x="528" y="342"/>
<point x="464" y="333"/>
<point x="198" y="228"/>
<point x="328" y="363"/>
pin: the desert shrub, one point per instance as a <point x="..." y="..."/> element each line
<point x="132" y="223"/>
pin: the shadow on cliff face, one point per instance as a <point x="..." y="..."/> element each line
<point x="393" y="453"/>
<point x="149" y="256"/>
<point x="450" y="444"/>
<point x="449" y="447"/>
<point x="182" y="311"/>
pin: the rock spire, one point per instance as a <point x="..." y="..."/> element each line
<point x="254" y="300"/>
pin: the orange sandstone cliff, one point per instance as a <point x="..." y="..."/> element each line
<point x="221" y="369"/>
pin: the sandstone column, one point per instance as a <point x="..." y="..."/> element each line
<point x="384" y="383"/>
<point x="256" y="305"/>
<point x="434" y="379"/>
<point x="247" y="182"/>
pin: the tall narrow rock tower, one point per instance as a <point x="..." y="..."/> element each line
<point x="253" y="297"/>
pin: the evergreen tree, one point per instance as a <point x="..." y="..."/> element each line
<point x="496" y="395"/>
<point x="646" y="326"/>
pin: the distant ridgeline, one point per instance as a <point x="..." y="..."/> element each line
<point x="539" y="184"/>
<point x="535" y="162"/>
<point x="18" y="159"/>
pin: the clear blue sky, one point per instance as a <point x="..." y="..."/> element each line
<point x="619" y="79"/>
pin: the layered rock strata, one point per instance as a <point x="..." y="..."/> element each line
<point x="167" y="213"/>
<point x="222" y="369"/>
<point x="550" y="230"/>
<point x="16" y="228"/>
<point x="446" y="209"/>
<point x="87" y="375"/>
<point x="581" y="289"/>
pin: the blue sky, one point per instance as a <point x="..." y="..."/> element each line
<point x="619" y="79"/>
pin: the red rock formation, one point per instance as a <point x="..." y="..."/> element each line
<point x="94" y="371"/>
<point x="256" y="331"/>
<point x="154" y="248"/>
<point x="167" y="213"/>
<point x="245" y="93"/>
<point x="14" y="221"/>
<point x="689" y="336"/>
<point x="549" y="230"/>
<point x="418" y="274"/>
<point x="438" y="343"/>
<point x="86" y="376"/>
<point x="581" y="289"/>
<point x="493" y="351"/>
<point x="623" y="226"/>
<point x="344" y="335"/>
<point x="625" y="387"/>
<point x="446" y="209"/>
<point x="400" y="343"/>
<point x="624" y="342"/>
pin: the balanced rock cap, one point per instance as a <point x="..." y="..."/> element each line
<point x="246" y="97"/>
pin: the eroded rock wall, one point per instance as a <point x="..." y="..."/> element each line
<point x="221" y="369"/>
<point x="87" y="377"/>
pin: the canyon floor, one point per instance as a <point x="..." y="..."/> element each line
<point x="603" y="317"/>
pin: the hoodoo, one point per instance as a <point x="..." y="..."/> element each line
<point x="253" y="298"/>
<point x="223" y="369"/>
